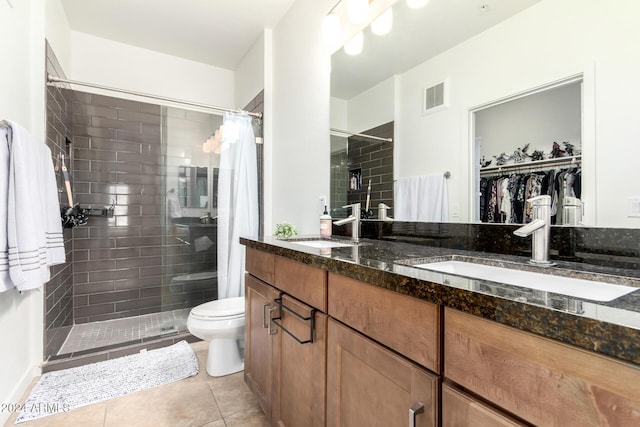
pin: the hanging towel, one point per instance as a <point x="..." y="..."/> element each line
<point x="422" y="198"/>
<point x="34" y="229"/>
<point x="5" y="279"/>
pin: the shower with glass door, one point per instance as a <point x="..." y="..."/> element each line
<point x="138" y="270"/>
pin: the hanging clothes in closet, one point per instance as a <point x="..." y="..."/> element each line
<point x="31" y="230"/>
<point x="503" y="197"/>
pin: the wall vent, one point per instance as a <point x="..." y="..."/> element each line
<point x="434" y="98"/>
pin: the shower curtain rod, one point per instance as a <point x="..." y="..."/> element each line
<point x="52" y="81"/>
<point x="348" y="134"/>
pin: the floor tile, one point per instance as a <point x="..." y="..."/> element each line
<point x="180" y="404"/>
<point x="87" y="416"/>
<point x="232" y="394"/>
<point x="252" y="418"/>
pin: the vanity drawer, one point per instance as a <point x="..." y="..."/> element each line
<point x="260" y="264"/>
<point x="541" y="381"/>
<point x="308" y="284"/>
<point x="405" y="324"/>
<point x="459" y="409"/>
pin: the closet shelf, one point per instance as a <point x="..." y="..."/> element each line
<point x="533" y="166"/>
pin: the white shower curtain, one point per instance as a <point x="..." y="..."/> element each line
<point x="237" y="201"/>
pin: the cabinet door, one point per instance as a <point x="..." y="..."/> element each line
<point x="460" y="410"/>
<point x="300" y="367"/>
<point x="544" y="382"/>
<point x="368" y="385"/>
<point x="258" y="342"/>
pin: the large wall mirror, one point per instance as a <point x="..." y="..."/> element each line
<point x="470" y="60"/>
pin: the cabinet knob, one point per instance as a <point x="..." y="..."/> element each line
<point x="416" y="409"/>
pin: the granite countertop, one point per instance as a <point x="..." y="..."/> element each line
<point x="610" y="328"/>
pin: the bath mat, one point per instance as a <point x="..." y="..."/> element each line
<point x="61" y="391"/>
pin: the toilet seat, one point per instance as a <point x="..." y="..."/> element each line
<point x="224" y="309"/>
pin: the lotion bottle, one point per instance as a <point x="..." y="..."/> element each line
<point x="325" y="223"/>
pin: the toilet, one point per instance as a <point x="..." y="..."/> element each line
<point x="221" y="323"/>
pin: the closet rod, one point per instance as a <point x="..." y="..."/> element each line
<point x="52" y="81"/>
<point x="531" y="166"/>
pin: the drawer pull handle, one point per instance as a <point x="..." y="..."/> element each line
<point x="269" y="330"/>
<point x="265" y="325"/>
<point x="310" y="319"/>
<point x="417" y="408"/>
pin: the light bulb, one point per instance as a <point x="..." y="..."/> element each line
<point x="417" y="4"/>
<point x="331" y="31"/>
<point x="354" y="46"/>
<point x="382" y="24"/>
<point x="357" y="11"/>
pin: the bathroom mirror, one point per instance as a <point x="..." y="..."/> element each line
<point x="484" y="53"/>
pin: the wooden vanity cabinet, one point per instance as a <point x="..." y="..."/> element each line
<point x="462" y="410"/>
<point x="259" y="343"/>
<point x="369" y="385"/>
<point x="541" y="381"/>
<point x="285" y="339"/>
<point x="407" y="325"/>
<point x="300" y="366"/>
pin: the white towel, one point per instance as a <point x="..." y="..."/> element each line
<point x="421" y="198"/>
<point x="5" y="279"/>
<point x="34" y="230"/>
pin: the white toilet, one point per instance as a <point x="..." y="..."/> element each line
<point x="220" y="322"/>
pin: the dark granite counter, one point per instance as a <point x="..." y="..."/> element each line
<point x="610" y="328"/>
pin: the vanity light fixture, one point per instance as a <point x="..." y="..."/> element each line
<point x="354" y="46"/>
<point x="417" y="4"/>
<point x="383" y="23"/>
<point x="357" y="11"/>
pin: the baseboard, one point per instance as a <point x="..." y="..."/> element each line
<point x="18" y="392"/>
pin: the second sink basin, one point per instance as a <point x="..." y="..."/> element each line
<point x="570" y="286"/>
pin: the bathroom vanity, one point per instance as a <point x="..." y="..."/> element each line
<point x="359" y="335"/>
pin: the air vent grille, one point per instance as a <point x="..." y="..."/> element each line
<point x="434" y="98"/>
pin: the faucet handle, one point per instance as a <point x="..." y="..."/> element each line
<point x="355" y="208"/>
<point x="543" y="200"/>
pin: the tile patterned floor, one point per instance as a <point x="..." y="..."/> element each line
<point x="200" y="401"/>
<point x="86" y="336"/>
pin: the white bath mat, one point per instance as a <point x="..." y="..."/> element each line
<point x="61" y="391"/>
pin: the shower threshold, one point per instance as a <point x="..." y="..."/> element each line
<point x="94" y="335"/>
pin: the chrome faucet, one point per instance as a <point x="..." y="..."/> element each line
<point x="540" y="229"/>
<point x="353" y="218"/>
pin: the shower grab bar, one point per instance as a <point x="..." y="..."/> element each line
<point x="310" y="319"/>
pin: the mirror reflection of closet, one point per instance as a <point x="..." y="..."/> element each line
<point x="527" y="145"/>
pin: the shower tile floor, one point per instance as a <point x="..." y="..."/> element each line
<point x="87" y="336"/>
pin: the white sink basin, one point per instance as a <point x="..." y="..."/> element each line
<point x="322" y="244"/>
<point x="580" y="288"/>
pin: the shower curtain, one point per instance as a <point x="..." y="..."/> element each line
<point x="237" y="201"/>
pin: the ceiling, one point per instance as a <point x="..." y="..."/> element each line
<point x="416" y="36"/>
<point x="214" y="32"/>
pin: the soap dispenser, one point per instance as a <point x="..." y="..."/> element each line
<point x="325" y="223"/>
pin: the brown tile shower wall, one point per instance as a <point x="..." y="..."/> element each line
<point x="375" y="160"/>
<point x="58" y="292"/>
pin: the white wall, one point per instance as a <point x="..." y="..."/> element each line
<point x="22" y="33"/>
<point x="249" y="74"/>
<point x="535" y="47"/>
<point x="338" y="116"/>
<point x="371" y="108"/>
<point x="299" y="171"/>
<point x="503" y="127"/>
<point x="58" y="33"/>
<point x="114" y="64"/>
